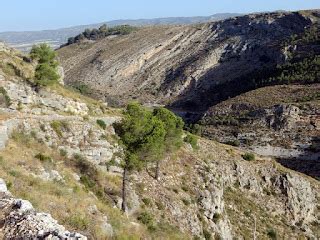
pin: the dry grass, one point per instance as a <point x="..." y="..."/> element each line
<point x="67" y="201"/>
<point x="13" y="65"/>
<point x="71" y="93"/>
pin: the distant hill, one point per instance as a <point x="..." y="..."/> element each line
<point x="24" y="40"/>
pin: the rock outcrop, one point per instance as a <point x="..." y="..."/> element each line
<point x="19" y="220"/>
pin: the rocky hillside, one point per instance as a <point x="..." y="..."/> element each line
<point x="190" y="68"/>
<point x="280" y="121"/>
<point x="56" y="155"/>
<point x="258" y="70"/>
<point x="25" y="39"/>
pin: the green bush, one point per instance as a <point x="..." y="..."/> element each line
<point x="192" y="140"/>
<point x="63" y="153"/>
<point x="46" y="75"/>
<point x="235" y="143"/>
<point x="147" y="201"/>
<point x="82" y="88"/>
<point x="102" y="124"/>
<point x="6" y="99"/>
<point x="87" y="182"/>
<point x="272" y="234"/>
<point x="46" y="71"/>
<point x="43" y="158"/>
<point x="145" y="218"/>
<point x="216" y="217"/>
<point x="249" y="157"/>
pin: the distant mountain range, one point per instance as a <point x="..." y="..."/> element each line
<point x="24" y="40"/>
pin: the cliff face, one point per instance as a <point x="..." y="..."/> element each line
<point x="188" y="67"/>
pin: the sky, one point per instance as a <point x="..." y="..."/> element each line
<point x="23" y="15"/>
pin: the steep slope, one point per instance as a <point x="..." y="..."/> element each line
<point x="281" y="121"/>
<point x="24" y="40"/>
<point x="55" y="155"/>
<point x="189" y="67"/>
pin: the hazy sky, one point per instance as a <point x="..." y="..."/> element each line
<point x="51" y="14"/>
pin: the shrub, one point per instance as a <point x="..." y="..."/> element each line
<point x="22" y="138"/>
<point x="46" y="71"/>
<point x="6" y="99"/>
<point x="145" y="218"/>
<point x="78" y="222"/>
<point x="207" y="235"/>
<point x="216" y="217"/>
<point x="272" y="234"/>
<point x="185" y="201"/>
<point x="43" y="157"/>
<point x="87" y="182"/>
<point x="235" y="143"/>
<point x="102" y="124"/>
<point x="63" y="153"/>
<point x="59" y="127"/>
<point x="147" y="201"/>
<point x="160" y="206"/>
<point x="249" y="157"/>
<point x="81" y="163"/>
<point x="82" y="88"/>
<point x="192" y="140"/>
<point x="185" y="188"/>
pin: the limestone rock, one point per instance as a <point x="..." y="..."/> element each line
<point x="21" y="221"/>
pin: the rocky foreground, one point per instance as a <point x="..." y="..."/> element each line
<point x="19" y="220"/>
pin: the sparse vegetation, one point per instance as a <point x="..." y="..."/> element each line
<point x="147" y="201"/>
<point x="102" y="124"/>
<point x="4" y="98"/>
<point x="59" y="127"/>
<point x="249" y="157"/>
<point x="78" y="221"/>
<point x="207" y="235"/>
<point x="272" y="234"/>
<point x="235" y="143"/>
<point x="192" y="140"/>
<point x="147" y="219"/>
<point x="217" y="217"/>
<point x="43" y="158"/>
<point x="82" y="88"/>
<point x="63" y="152"/>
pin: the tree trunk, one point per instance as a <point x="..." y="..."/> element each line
<point x="157" y="170"/>
<point x="255" y="228"/>
<point x="124" y="190"/>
